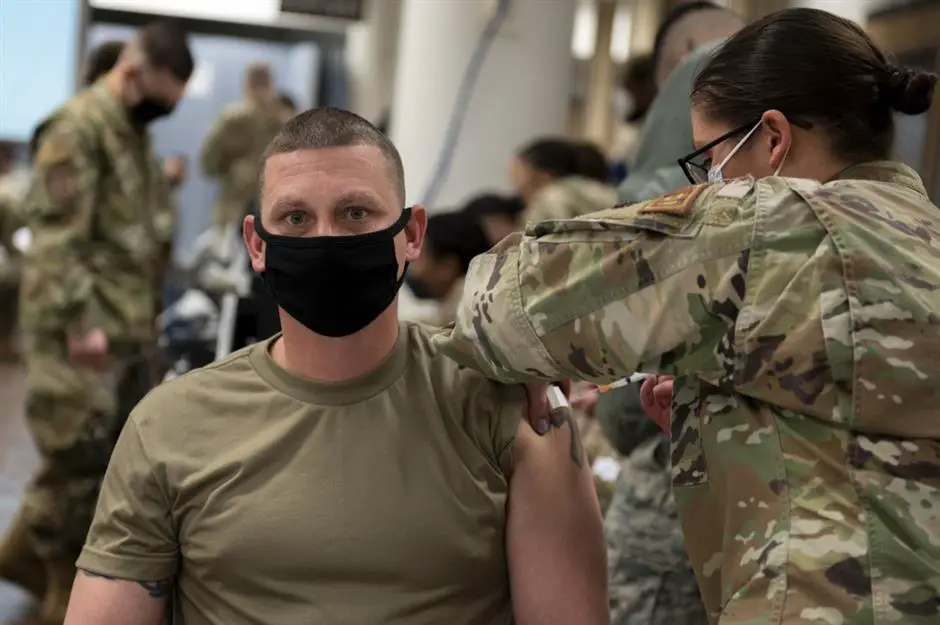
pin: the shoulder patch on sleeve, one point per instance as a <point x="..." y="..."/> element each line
<point x="54" y="149"/>
<point x="676" y="203"/>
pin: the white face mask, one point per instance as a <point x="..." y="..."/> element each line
<point x="714" y="173"/>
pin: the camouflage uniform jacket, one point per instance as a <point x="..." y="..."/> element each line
<point x="568" y="198"/>
<point x="232" y="153"/>
<point x="802" y="323"/>
<point x="94" y="255"/>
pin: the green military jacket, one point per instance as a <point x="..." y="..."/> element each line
<point x="232" y="154"/>
<point x="802" y="323"/>
<point x="569" y="197"/>
<point x="95" y="253"/>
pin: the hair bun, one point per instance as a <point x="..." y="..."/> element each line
<point x="910" y="91"/>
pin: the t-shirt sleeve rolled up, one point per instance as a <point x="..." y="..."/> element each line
<point x="132" y="536"/>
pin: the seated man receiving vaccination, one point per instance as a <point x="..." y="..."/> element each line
<point x="343" y="471"/>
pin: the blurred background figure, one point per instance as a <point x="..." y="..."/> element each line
<point x="233" y="147"/>
<point x="101" y="60"/>
<point x="451" y="242"/>
<point x="560" y="179"/>
<point x="632" y="101"/>
<point x="688" y="34"/>
<point x="88" y="297"/>
<point x="287" y="108"/>
<point x="499" y="215"/>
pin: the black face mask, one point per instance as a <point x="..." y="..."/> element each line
<point x="335" y="285"/>
<point x="149" y="110"/>
<point x="419" y="288"/>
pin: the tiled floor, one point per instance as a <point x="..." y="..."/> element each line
<point x="17" y="462"/>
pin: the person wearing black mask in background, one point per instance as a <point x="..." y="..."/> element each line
<point x="87" y="301"/>
<point x="451" y="242"/>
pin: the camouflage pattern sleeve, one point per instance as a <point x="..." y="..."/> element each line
<point x="229" y="138"/>
<point x="60" y="210"/>
<point x="651" y="287"/>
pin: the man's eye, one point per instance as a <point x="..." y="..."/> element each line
<point x="356" y="214"/>
<point x="295" y="219"/>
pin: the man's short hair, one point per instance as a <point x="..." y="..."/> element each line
<point x="165" y="46"/>
<point x="329" y="127"/>
<point x="101" y="60"/>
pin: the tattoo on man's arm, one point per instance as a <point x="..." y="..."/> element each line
<point x="157" y="590"/>
<point x="562" y="417"/>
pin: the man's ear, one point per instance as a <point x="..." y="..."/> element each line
<point x="254" y="243"/>
<point x="414" y="233"/>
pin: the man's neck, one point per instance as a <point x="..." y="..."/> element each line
<point x="324" y="359"/>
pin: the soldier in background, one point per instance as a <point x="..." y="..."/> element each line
<point x="233" y="148"/>
<point x="101" y="60"/>
<point x="451" y="241"/>
<point x="286" y="106"/>
<point x="87" y="297"/>
<point x="561" y="179"/>
<point x="499" y="215"/>
<point x="684" y="41"/>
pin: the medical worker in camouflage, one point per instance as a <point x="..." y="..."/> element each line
<point x="561" y="179"/>
<point x="87" y="297"/>
<point x="795" y="296"/>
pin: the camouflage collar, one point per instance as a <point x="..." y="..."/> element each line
<point x="885" y="171"/>
<point x="112" y="110"/>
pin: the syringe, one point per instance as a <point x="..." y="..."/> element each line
<point x="631" y="379"/>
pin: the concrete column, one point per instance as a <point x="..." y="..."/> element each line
<point x="371" y="55"/>
<point x="522" y="92"/>
<point x="645" y="18"/>
<point x="598" y="114"/>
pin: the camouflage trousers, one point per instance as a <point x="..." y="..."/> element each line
<point x="75" y="416"/>
<point x="651" y="581"/>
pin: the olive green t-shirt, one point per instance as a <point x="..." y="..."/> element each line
<point x="272" y="499"/>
